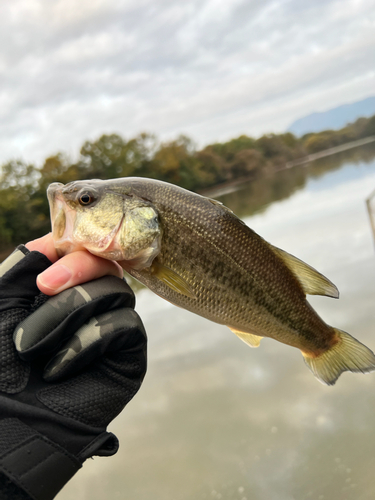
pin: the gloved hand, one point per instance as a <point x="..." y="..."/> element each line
<point x="80" y="357"/>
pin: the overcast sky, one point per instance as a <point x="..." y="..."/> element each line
<point x="212" y="69"/>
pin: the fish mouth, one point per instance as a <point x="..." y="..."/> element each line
<point x="57" y="212"/>
<point x="62" y="222"/>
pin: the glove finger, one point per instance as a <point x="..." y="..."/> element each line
<point x="105" y="335"/>
<point x="99" y="393"/>
<point x="62" y="315"/>
<point x="18" y="278"/>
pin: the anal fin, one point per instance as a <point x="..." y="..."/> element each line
<point x="249" y="338"/>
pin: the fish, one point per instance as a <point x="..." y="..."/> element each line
<point x="197" y="254"/>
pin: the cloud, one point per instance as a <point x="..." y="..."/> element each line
<point x="212" y="69"/>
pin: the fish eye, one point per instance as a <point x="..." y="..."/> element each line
<point x="86" y="198"/>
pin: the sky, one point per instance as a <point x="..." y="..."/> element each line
<point x="210" y="69"/>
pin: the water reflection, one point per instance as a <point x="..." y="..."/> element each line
<point x="262" y="192"/>
<point x="218" y="420"/>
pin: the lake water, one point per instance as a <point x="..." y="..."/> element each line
<point x="216" y="419"/>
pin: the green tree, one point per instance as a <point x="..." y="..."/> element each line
<point x="19" y="218"/>
<point x="214" y="165"/>
<point x="272" y="146"/>
<point x="229" y="149"/>
<point x="111" y="156"/>
<point x="369" y="128"/>
<point x="246" y="162"/>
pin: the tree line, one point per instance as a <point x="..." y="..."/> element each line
<point x="24" y="212"/>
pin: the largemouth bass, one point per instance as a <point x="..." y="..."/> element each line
<point x="195" y="253"/>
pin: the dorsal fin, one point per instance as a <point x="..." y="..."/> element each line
<point x="313" y="283"/>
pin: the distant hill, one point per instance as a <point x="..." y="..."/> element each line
<point x="333" y="119"/>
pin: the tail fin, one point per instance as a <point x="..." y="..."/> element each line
<point x="347" y="355"/>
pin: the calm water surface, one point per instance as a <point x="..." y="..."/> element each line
<point x="216" y="419"/>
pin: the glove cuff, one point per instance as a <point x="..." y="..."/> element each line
<point x="33" y="462"/>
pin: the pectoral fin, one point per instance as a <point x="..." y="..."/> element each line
<point x="172" y="279"/>
<point x="313" y="283"/>
<point x="249" y="338"/>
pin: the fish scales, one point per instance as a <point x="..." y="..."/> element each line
<point x="197" y="254"/>
<point x="250" y="290"/>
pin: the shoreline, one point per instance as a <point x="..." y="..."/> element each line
<point x="330" y="151"/>
<point x="230" y="186"/>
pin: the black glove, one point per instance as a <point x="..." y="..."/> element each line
<point x="81" y="358"/>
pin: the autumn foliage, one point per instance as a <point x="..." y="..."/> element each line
<point x="24" y="212"/>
